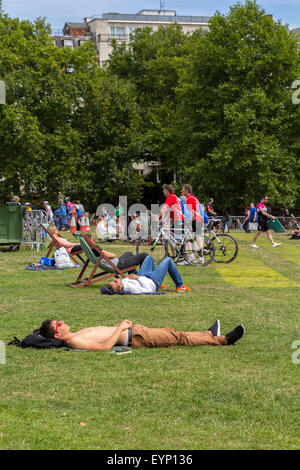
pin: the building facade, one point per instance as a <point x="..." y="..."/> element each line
<point x="73" y="35"/>
<point x="297" y="35"/>
<point x="120" y="26"/>
<point x="103" y="29"/>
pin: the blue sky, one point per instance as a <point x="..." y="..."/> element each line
<point x="57" y="12"/>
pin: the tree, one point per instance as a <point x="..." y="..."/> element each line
<point x="36" y="122"/>
<point x="236" y="99"/>
<point x="111" y="121"/>
<point x="152" y="63"/>
<point x="65" y="127"/>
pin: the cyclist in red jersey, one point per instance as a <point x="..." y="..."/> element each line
<point x="171" y="208"/>
<point x="193" y="205"/>
<point x="197" y="221"/>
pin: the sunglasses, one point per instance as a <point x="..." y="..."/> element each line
<point x="59" y="323"/>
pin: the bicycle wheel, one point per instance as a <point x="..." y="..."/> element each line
<point x="195" y="257"/>
<point x="226" y="248"/>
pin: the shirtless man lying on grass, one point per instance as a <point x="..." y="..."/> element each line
<point x="104" y="338"/>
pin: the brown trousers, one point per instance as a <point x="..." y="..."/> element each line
<point x="142" y="336"/>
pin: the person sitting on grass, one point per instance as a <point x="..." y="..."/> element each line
<point x="125" y="261"/>
<point x="148" y="280"/>
<point x="295" y="234"/>
<point x="104" y="338"/>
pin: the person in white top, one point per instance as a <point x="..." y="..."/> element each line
<point x="148" y="280"/>
<point x="49" y="212"/>
<point x="134" y="284"/>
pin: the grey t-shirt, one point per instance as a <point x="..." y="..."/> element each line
<point x="113" y="260"/>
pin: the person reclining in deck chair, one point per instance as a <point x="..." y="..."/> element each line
<point x="104" y="338"/>
<point x="148" y="280"/>
<point x="126" y="260"/>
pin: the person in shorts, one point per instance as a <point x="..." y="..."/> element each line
<point x="172" y="209"/>
<point x="262" y="219"/>
<point x="196" y="210"/>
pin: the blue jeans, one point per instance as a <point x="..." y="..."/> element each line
<point x="158" y="274"/>
<point x="225" y="224"/>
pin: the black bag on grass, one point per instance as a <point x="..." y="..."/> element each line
<point x="35" y="340"/>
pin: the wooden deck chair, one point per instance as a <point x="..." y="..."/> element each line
<point x="99" y="262"/>
<point x="52" y="246"/>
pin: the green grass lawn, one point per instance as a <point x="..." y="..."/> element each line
<point x="240" y="397"/>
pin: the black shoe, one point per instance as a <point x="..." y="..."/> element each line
<point x="215" y="328"/>
<point x="235" y="334"/>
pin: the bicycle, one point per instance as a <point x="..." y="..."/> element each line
<point x="195" y="257"/>
<point x="226" y="247"/>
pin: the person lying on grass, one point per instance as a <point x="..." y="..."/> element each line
<point x="104" y="338"/>
<point x="148" y="280"/>
<point x="125" y="261"/>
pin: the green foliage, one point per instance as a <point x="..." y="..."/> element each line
<point x="215" y="108"/>
<point x="65" y="127"/>
<point x="236" y="97"/>
<point x="152" y="63"/>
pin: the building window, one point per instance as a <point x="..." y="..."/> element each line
<point x="68" y="43"/>
<point x="117" y="32"/>
<point x="131" y="30"/>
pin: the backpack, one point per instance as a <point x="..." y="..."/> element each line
<point x="35" y="340"/>
<point x="63" y="211"/>
<point x="47" y="261"/>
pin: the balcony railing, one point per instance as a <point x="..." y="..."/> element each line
<point x="109" y="37"/>
<point x="152" y="18"/>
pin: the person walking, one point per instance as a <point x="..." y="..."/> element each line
<point x="225" y="219"/>
<point x="247" y="220"/>
<point x="253" y="215"/>
<point x="49" y="212"/>
<point x="262" y="218"/>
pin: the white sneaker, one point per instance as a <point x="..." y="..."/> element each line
<point x="276" y="244"/>
<point x="183" y="263"/>
<point x="192" y="256"/>
<point x="254" y="246"/>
